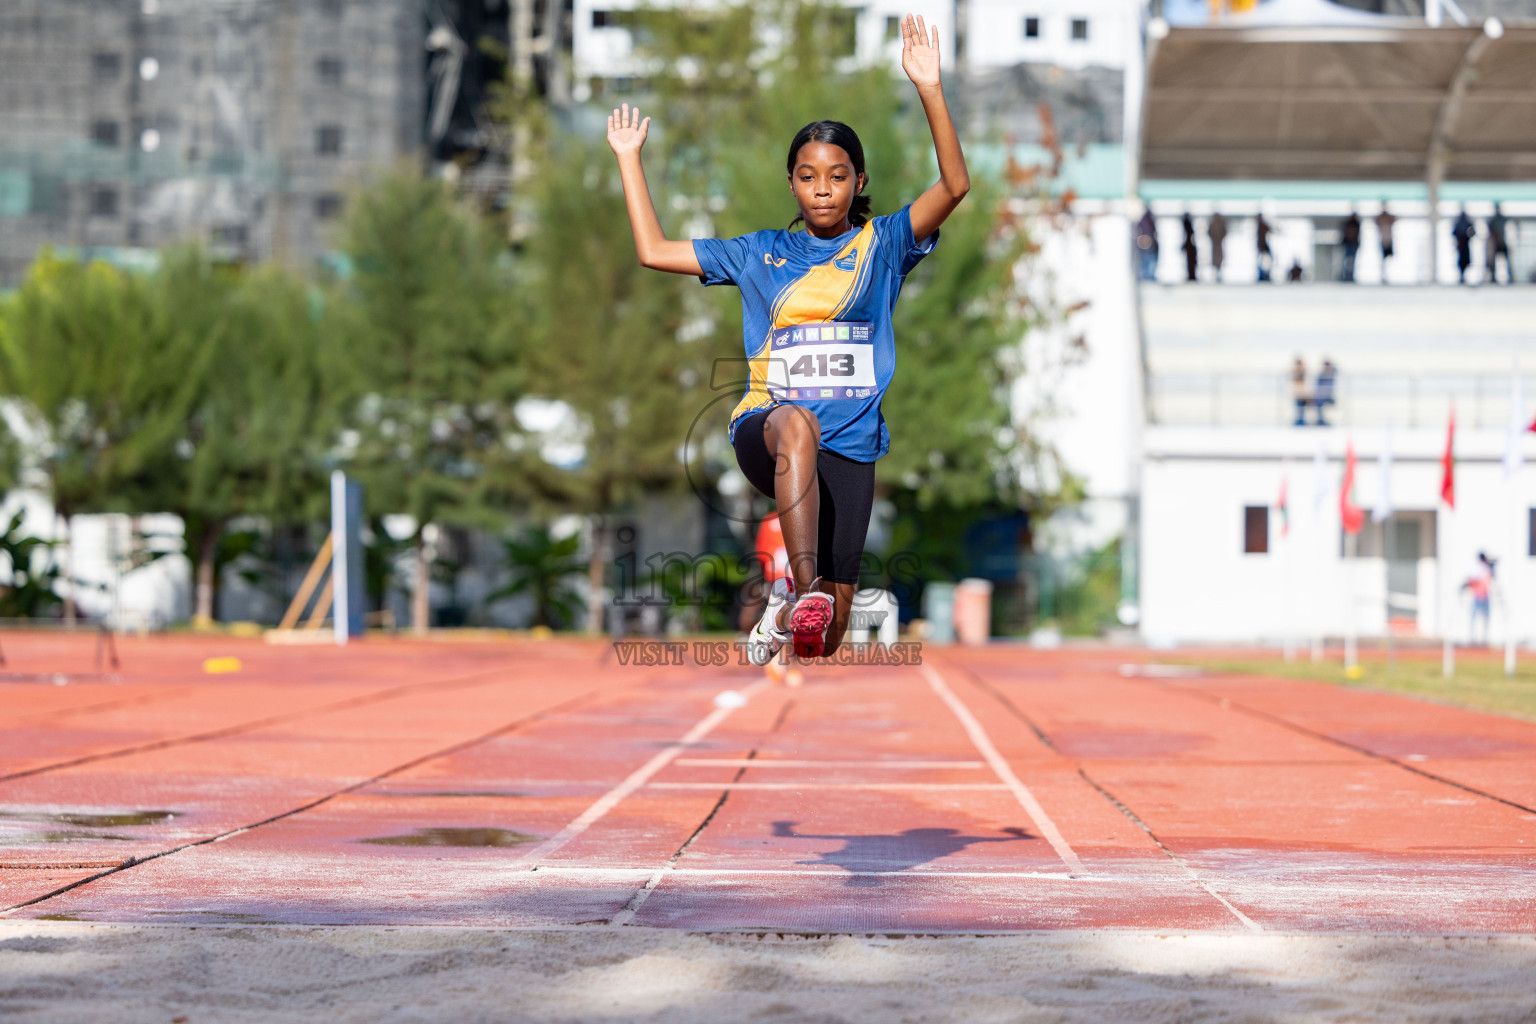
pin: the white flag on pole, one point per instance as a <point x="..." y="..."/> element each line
<point x="1322" y="487"/>
<point x="1383" y="510"/>
<point x="1514" y="457"/>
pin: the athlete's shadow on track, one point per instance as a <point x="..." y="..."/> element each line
<point x="892" y="853"/>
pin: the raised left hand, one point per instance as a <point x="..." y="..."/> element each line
<point x="919" y="51"/>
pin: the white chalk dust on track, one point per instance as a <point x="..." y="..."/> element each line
<point x="57" y="971"/>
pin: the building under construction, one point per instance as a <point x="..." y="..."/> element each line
<point x="130" y="124"/>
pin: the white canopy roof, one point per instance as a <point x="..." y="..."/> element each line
<point x="1365" y="99"/>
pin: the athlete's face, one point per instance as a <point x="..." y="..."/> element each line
<point x="824" y="184"/>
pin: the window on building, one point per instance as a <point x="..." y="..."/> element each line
<point x="602" y="19"/>
<point x="327" y="206"/>
<point x="328" y="140"/>
<point x="1255" y="529"/>
<point x="328" y="69"/>
<point x="103" y="202"/>
<point x="106" y="133"/>
<point x="1032" y="28"/>
<point x="892" y="28"/>
<point x="230" y="234"/>
<point x="1080" y="30"/>
<point x="107" y="67"/>
<point x="331" y="8"/>
<point x="1531" y="530"/>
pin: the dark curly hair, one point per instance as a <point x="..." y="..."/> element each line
<point x="837" y="134"/>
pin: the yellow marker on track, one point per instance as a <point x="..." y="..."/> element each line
<point x="220" y="666"/>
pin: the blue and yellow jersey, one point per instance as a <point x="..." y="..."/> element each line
<point x="816" y="321"/>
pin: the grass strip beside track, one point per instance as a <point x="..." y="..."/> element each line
<point x="1479" y="682"/>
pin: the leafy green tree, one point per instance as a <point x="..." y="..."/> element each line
<point x="104" y="377"/>
<point x="428" y="367"/>
<point x="611" y="340"/>
<point x="253" y="442"/>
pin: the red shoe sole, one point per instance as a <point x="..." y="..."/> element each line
<point x="808" y="623"/>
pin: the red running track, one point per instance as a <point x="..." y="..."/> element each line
<point x="526" y="784"/>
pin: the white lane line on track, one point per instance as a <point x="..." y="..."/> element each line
<point x="639" y="777"/>
<point x="983" y="744"/>
<point x="902" y="787"/>
<point x="749" y="762"/>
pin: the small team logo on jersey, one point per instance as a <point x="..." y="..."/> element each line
<point x="828" y="392"/>
<point x="847" y="262"/>
<point x="848" y="392"/>
<point x="769" y="261"/>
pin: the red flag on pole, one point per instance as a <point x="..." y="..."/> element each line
<point x="1352" y="516"/>
<point x="1448" y="465"/>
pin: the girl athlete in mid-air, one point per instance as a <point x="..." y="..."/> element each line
<point x="816" y="314"/>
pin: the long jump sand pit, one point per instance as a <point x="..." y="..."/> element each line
<point x="541" y="831"/>
<point x="109" y="974"/>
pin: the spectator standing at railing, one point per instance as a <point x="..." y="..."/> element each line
<point x="1146" y="247"/>
<point x="1262" y="230"/>
<point x="1216" y="228"/>
<point x="1299" y="391"/>
<point x="1463" y="231"/>
<point x="1322" y="391"/>
<point x="1351" y="246"/>
<point x="1498" y="245"/>
<point x="1384" y="222"/>
<point x="1191" y="253"/>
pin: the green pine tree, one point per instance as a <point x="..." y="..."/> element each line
<point x="428" y="362"/>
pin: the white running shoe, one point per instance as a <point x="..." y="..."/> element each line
<point x="766" y="638"/>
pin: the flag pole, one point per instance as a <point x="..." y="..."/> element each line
<point x="1507" y="591"/>
<point x="1287" y="615"/>
<point x="1447" y="583"/>
<point x="1351" y="518"/>
<point x="1320" y="491"/>
<point x="1448" y="588"/>
<point x="1351" y="654"/>
<point x="1513" y="461"/>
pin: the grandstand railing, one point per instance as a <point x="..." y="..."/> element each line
<point x="1250" y="399"/>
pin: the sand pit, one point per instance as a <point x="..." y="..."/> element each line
<point x="58" y="971"/>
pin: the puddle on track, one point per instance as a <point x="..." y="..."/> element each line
<point x="80" y="826"/>
<point x="464" y="837"/>
<point x="91" y="819"/>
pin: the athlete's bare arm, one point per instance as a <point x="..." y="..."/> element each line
<point x="626" y="134"/>
<point x="920" y="60"/>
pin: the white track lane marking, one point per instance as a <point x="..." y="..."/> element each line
<point x="983" y="743"/>
<point x="898" y="786"/>
<point x="639" y="777"/>
<point x="749" y="762"/>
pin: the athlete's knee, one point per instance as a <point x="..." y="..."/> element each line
<point x="795" y="425"/>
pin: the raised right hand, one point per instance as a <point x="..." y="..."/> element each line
<point x="626" y="131"/>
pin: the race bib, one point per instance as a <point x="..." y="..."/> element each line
<point x="817" y="361"/>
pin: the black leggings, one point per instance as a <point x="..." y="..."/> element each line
<point x="847" y="495"/>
